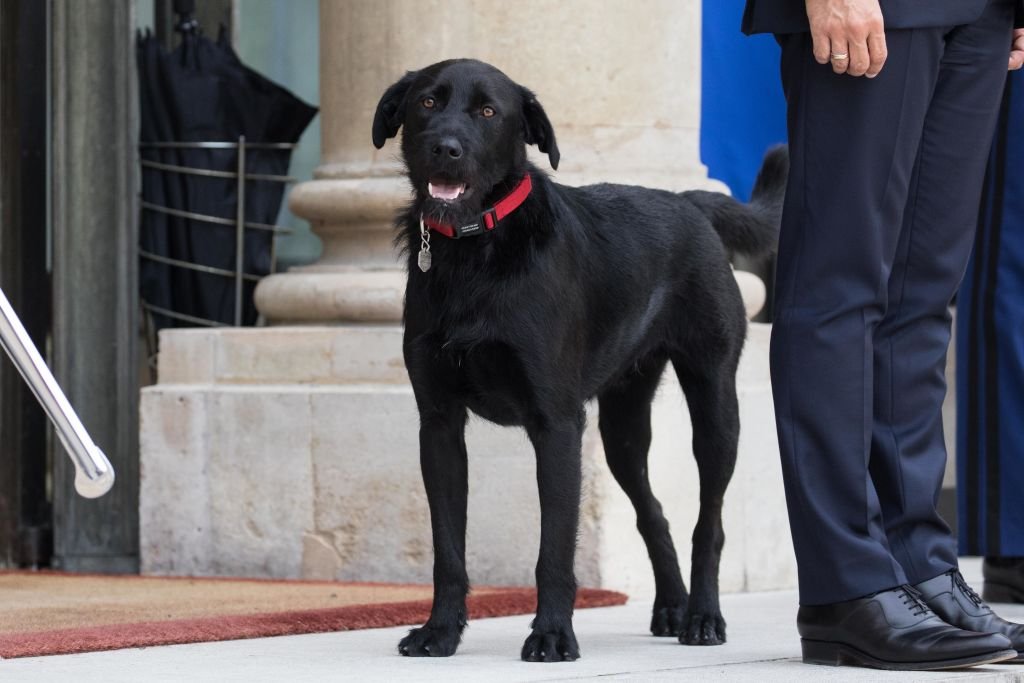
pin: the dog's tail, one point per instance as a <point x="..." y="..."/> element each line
<point x="750" y="229"/>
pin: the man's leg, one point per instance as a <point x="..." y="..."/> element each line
<point x="908" y="454"/>
<point x="990" y="369"/>
<point x="853" y="143"/>
<point x="908" y="457"/>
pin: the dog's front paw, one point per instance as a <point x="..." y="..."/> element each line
<point x="703" y="628"/>
<point x="668" y="620"/>
<point x="554" y="645"/>
<point x="430" y="641"/>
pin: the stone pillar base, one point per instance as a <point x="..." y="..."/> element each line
<point x="292" y="452"/>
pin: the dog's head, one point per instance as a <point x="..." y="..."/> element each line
<point x="466" y="127"/>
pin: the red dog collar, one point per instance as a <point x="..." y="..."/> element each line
<point x="488" y="220"/>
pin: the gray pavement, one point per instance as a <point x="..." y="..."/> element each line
<point x="762" y="647"/>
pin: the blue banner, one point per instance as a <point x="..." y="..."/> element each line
<point x="743" y="111"/>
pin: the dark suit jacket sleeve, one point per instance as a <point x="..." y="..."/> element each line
<point x="790" y="16"/>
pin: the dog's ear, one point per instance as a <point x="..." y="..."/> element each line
<point x="537" y="128"/>
<point x="391" y="110"/>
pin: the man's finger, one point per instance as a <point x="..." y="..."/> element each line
<point x="1017" y="49"/>
<point x="839" y="54"/>
<point x="860" y="60"/>
<point x="821" y="47"/>
<point x="879" y="53"/>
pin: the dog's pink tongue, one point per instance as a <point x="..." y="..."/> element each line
<point x="441" y="191"/>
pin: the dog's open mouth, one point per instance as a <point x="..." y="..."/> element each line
<point x="446" y="190"/>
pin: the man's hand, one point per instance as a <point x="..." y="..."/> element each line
<point x="848" y="33"/>
<point x="1017" y="50"/>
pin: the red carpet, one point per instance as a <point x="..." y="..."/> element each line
<point x="48" y="613"/>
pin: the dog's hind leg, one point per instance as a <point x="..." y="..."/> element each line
<point x="710" y="388"/>
<point x="557" y="442"/>
<point x="625" y="422"/>
<point x="443" y="463"/>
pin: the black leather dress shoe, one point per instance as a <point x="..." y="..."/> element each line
<point x="893" y="629"/>
<point x="1004" y="579"/>
<point x="956" y="603"/>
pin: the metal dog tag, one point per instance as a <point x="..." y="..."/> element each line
<point x="424" y="258"/>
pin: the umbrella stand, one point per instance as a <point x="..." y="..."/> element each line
<point x="93" y="473"/>
<point x="241" y="176"/>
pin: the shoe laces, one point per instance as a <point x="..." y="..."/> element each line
<point x="915" y="601"/>
<point x="958" y="581"/>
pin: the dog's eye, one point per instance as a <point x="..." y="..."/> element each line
<point x="428" y="102"/>
<point x="487" y="112"/>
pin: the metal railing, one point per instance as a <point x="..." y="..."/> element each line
<point x="240" y="175"/>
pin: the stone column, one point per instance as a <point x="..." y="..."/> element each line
<point x="95" y="283"/>
<point x="620" y="82"/>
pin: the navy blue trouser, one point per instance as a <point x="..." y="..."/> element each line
<point x="879" y="218"/>
<point x="990" y="353"/>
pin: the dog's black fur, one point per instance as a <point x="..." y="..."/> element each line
<point x="580" y="292"/>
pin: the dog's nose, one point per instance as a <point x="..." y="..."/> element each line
<point x="449" y="146"/>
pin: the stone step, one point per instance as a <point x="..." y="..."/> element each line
<point x="274" y="452"/>
<point x="343" y="354"/>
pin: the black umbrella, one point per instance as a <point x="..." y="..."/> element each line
<point x="201" y="93"/>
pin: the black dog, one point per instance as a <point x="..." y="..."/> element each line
<point x="525" y="299"/>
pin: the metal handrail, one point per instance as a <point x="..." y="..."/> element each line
<point x="93" y="473"/>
